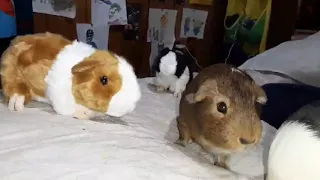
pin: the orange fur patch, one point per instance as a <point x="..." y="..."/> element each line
<point x="87" y="88"/>
<point x="25" y="64"/>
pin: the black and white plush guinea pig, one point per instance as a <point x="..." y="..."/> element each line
<point x="295" y="152"/>
<point x="173" y="69"/>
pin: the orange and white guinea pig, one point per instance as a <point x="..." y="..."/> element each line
<point x="75" y="78"/>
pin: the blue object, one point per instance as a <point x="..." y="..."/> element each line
<point x="286" y="99"/>
<point x="8" y="25"/>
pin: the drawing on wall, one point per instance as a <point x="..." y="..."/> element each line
<point x="161" y="25"/>
<point x="117" y="11"/>
<point x="193" y="23"/>
<point x="64" y="8"/>
<point x="99" y="12"/>
<point x="89" y="38"/>
<point x="96" y="36"/>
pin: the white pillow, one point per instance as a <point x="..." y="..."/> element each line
<point x="298" y="59"/>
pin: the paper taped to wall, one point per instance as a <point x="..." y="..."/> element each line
<point x="161" y="25"/>
<point x="193" y="23"/>
<point x="95" y="35"/>
<point x="113" y="12"/>
<point x="64" y="8"/>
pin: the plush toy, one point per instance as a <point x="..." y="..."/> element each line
<point x="75" y="78"/>
<point x="294" y="152"/>
<point x="173" y="69"/>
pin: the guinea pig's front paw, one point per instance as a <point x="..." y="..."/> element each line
<point x="221" y="161"/>
<point x="221" y="164"/>
<point x="183" y="142"/>
<point x="16" y="103"/>
<point x="177" y="94"/>
<point x="160" y="88"/>
<point x="79" y="114"/>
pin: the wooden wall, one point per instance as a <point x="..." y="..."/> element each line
<point x="137" y="51"/>
<point x="206" y="51"/>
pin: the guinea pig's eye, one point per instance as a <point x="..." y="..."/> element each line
<point x="222" y="107"/>
<point x="104" y="80"/>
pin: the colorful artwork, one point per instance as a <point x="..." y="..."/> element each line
<point x="65" y="8"/>
<point x="193" y="23"/>
<point x="96" y="36"/>
<point x="161" y="25"/>
<point x="246" y="29"/>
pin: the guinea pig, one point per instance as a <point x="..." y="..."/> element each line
<point x="173" y="70"/>
<point x="75" y="78"/>
<point x="219" y="110"/>
<point x="295" y="151"/>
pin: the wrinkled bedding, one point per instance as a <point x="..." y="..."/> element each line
<point x="38" y="144"/>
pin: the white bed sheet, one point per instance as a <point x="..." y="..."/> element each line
<point x="38" y="144"/>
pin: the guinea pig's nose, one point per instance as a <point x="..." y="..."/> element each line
<point x="246" y="141"/>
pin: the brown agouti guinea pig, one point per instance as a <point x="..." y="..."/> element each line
<point x="219" y="110"/>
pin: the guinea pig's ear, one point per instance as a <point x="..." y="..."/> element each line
<point x="207" y="89"/>
<point x="85" y="66"/>
<point x="261" y="95"/>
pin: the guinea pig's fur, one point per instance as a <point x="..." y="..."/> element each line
<point x="219" y="111"/>
<point x="295" y="152"/>
<point x="173" y="70"/>
<point x="75" y="78"/>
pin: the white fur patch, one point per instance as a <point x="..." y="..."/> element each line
<point x="294" y="154"/>
<point x="40" y="99"/>
<point x="168" y="64"/>
<point x="211" y="148"/>
<point x="237" y="71"/>
<point x="262" y="99"/>
<point x="175" y="85"/>
<point x="125" y="100"/>
<point x="163" y="80"/>
<point x="59" y="78"/>
<point x="180" y="84"/>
